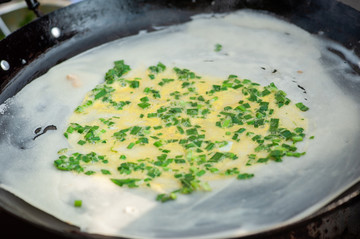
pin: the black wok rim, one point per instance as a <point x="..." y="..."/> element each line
<point x="84" y="34"/>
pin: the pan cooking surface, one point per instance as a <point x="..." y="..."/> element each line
<point x="279" y="194"/>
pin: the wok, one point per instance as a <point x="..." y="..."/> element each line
<point x="34" y="49"/>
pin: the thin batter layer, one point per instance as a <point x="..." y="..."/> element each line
<point x="173" y="130"/>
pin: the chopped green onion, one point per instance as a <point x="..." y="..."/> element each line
<point x="77" y="203"/>
<point x="302" y="107"/>
<point x="245" y="176"/>
<point x="218" y="47"/>
<point x="144" y="105"/>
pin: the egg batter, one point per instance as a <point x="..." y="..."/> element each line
<point x="170" y="129"/>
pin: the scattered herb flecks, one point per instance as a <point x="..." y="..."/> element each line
<point x="174" y="106"/>
<point x="218" y="47"/>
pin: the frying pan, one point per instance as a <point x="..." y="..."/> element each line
<point x="34" y="49"/>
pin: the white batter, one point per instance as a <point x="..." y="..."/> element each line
<point x="255" y="46"/>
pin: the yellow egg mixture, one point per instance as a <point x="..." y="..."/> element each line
<point x="173" y="131"/>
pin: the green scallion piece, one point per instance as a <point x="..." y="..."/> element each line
<point x="218" y="47"/>
<point x="77" y="203"/>
<point x="245" y="176"/>
<point x="131" y="145"/>
<point x="81" y="142"/>
<point x="144" y="105"/>
<point x="302" y="107"/>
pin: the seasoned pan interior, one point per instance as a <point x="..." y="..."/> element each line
<point x="83" y="33"/>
